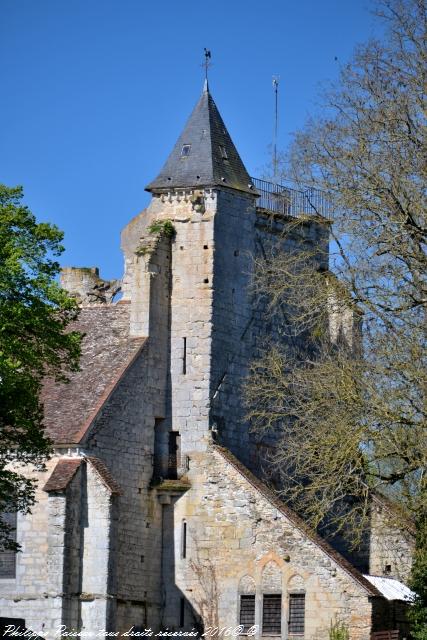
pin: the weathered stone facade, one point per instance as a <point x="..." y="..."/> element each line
<point x="142" y="519"/>
<point x="236" y="536"/>
<point x="391" y="541"/>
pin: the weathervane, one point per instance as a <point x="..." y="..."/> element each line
<point x="206" y="63"/>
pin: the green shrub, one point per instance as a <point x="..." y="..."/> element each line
<point x="338" y="631"/>
<point x="162" y="227"/>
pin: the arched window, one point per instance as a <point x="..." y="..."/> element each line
<point x="296" y="605"/>
<point x="296" y="620"/>
<point x="271" y="584"/>
<point x="246" y="602"/>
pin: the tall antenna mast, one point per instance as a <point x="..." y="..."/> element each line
<point x="276" y="122"/>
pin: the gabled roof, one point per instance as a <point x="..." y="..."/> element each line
<point x="107" y="352"/>
<point x="204" y="155"/>
<point x="105" y="475"/>
<point x="66" y="468"/>
<point x="269" y="495"/>
<point x="62" y="474"/>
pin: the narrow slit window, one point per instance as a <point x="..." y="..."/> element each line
<point x="184" y="356"/>
<point x="223" y="152"/>
<point x="182" y="612"/>
<point x="272" y="614"/>
<point x="186" y="150"/>
<point x="184" y="540"/>
<point x="247" y="612"/>
<point x="174" y="461"/>
<point x="296" y="613"/>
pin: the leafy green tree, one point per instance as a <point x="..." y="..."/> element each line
<point x="34" y="343"/>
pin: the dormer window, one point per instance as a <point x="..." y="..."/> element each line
<point x="223" y="152"/>
<point x="185" y="151"/>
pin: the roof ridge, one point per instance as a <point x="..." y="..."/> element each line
<point x="66" y="468"/>
<point x="105" y="474"/>
<point x="84" y="429"/>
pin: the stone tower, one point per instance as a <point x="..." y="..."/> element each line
<point x="214" y="325"/>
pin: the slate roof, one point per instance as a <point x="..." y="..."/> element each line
<point x="212" y="158"/>
<point x="107" y="352"/>
<point x="298" y="522"/>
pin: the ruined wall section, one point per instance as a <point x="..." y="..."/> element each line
<point x="85" y="285"/>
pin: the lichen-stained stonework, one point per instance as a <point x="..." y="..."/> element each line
<point x="238" y="541"/>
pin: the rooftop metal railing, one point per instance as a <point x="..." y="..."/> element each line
<point x="292" y="202"/>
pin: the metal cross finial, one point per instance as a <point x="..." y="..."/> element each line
<point x="206" y="63"/>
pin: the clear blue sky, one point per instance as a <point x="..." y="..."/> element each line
<point x="95" y="92"/>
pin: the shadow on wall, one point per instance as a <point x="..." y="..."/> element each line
<point x="178" y="612"/>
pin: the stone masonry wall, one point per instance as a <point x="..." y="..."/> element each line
<point x="216" y="324"/>
<point x="70" y="555"/>
<point x="98" y="567"/>
<point x="242" y="323"/>
<point x="391" y="544"/>
<point x="123" y="437"/>
<point x="238" y="542"/>
<point x="233" y="318"/>
<point x="190" y="308"/>
<point x="36" y="595"/>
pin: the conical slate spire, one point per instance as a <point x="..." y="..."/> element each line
<point x="204" y="155"/>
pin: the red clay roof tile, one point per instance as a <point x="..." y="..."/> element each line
<point x="107" y="352"/>
<point x="64" y="471"/>
<point x="105" y="475"/>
